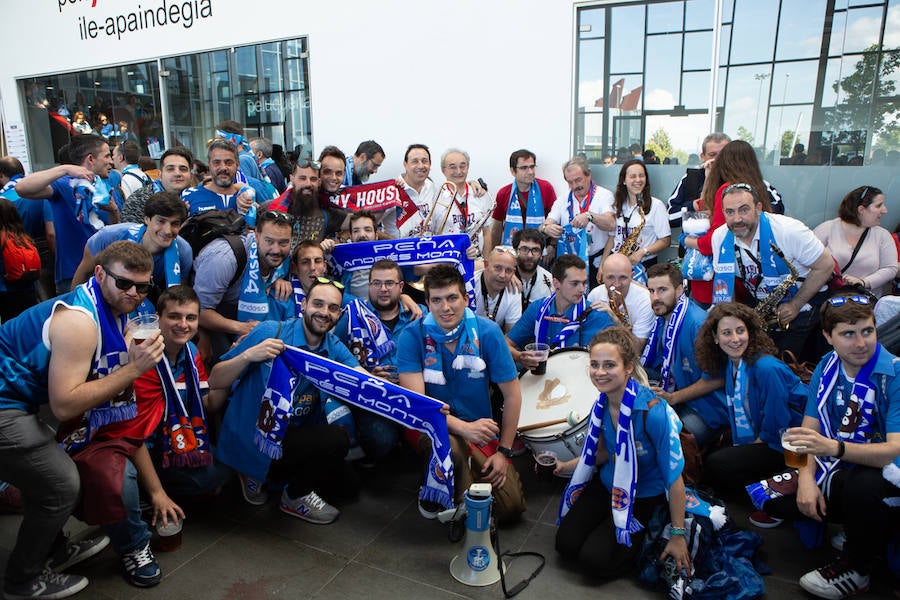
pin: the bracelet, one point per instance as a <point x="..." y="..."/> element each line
<point x="841" y="449"/>
<point x="676" y="530"/>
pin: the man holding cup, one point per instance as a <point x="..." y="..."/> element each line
<point x="563" y="319"/>
<point x="370" y="329"/>
<point x="852" y="431"/>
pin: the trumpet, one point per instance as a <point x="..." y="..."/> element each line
<point x="424" y="229"/>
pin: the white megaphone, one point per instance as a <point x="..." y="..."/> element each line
<point x="478" y="564"/>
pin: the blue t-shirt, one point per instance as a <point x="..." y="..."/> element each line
<point x="659" y="457"/>
<point x="466" y="391"/>
<point x="25" y="352"/>
<point x="127" y="231"/>
<point x="342" y="330"/>
<point x="712" y="408"/>
<point x="236" y="447"/>
<point x="201" y="200"/>
<point x="887" y="396"/>
<point x="71" y="234"/>
<point x="34" y="213"/>
<point x="522" y="332"/>
<point x="772" y="390"/>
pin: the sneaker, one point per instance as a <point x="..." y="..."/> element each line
<point x="764" y="520"/>
<point x="837" y="542"/>
<point x="309" y="508"/>
<point x="141" y="567"/>
<point x="254" y="490"/>
<point x="75" y="552"/>
<point x="46" y="585"/>
<point x="835" y="581"/>
<point x="429" y="509"/>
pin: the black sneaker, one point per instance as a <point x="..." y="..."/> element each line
<point x="48" y="585"/>
<point x="835" y="581"/>
<point x="141" y="567"/>
<point x="75" y="552"/>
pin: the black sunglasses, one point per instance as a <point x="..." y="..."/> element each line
<point x="276" y="216"/>
<point x="305" y="163"/>
<point x="125" y="284"/>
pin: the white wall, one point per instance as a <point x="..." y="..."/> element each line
<point x="489" y="76"/>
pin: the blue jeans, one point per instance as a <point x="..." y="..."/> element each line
<point x="132" y="533"/>
<point x="377" y="435"/>
<point x="180" y="482"/>
<point x="31" y="460"/>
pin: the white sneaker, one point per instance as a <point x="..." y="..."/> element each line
<point x="309" y="508"/>
<point x="835" y="581"/>
<point x="254" y="490"/>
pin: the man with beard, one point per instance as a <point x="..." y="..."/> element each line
<point x="632" y="301"/>
<point x="536" y="280"/>
<point x="492" y="298"/>
<point x="174" y="176"/>
<point x="85" y="362"/>
<point x="307" y="265"/>
<point x="358" y="330"/>
<point x="365" y="163"/>
<point x="312" y="450"/>
<point x="231" y="305"/>
<point x="313" y="219"/>
<point x="669" y="357"/>
<point x="172" y="255"/>
<point x="221" y="192"/>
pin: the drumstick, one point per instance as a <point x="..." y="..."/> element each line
<point x="544" y="424"/>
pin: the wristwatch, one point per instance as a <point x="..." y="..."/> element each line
<point x="507" y="452"/>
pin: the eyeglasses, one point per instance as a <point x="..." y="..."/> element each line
<point x="276" y="216"/>
<point x="305" y="163"/>
<point x="326" y="281"/>
<point x="506" y="250"/>
<point x="842" y="300"/>
<point x="125" y="284"/>
<point x="526" y="167"/>
<point x="529" y="250"/>
<point x="388" y="285"/>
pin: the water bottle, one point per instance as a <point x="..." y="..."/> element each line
<point x="250" y="215"/>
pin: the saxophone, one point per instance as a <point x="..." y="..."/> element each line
<point x="768" y="308"/>
<point x="631" y="243"/>
<point x="617" y="305"/>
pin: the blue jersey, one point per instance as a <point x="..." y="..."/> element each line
<point x="71" y="234"/>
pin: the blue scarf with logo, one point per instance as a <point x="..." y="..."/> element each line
<point x="136" y="232"/>
<point x="575" y="241"/>
<point x="371" y="393"/>
<point x="468" y="347"/>
<point x="534" y="211"/>
<point x="673" y="327"/>
<point x="185" y="435"/>
<point x="540" y="328"/>
<point x="253" y="303"/>
<point x="365" y="327"/>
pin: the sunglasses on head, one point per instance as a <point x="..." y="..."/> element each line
<point x="277" y="216"/>
<point x="842" y="300"/>
<point x="326" y="281"/>
<point x="125" y="284"/>
<point x="306" y="163"/>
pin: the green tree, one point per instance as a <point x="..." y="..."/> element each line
<point x="661" y="144"/>
<point x="744" y="134"/>
<point x="787" y="141"/>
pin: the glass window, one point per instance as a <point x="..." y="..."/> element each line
<point x="863" y="29"/>
<point x="663" y="68"/>
<point x="784" y="124"/>
<point x="697" y="50"/>
<point x="270" y="76"/>
<point x="700" y="14"/>
<point x="800" y="33"/>
<point x="695" y="89"/>
<point x="746" y="102"/>
<point x="753" y="31"/>
<point x="665" y="18"/>
<point x="590" y="73"/>
<point x="592" y="22"/>
<point x="724" y="44"/>
<point x="794" y="82"/>
<point x="627" y="48"/>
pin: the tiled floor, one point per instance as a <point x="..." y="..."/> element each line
<point x="379" y="548"/>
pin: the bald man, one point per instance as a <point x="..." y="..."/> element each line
<point x="636" y="309"/>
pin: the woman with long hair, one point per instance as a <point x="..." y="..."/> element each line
<point x="864" y="250"/>
<point x="636" y="208"/>
<point x="736" y="163"/>
<point x="603" y="531"/>
<point x="14" y="296"/>
<point x="763" y="395"/>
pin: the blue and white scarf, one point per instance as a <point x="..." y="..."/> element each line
<point x="670" y="340"/>
<point x="409" y="252"/>
<point x="88" y="196"/>
<point x="111" y="355"/>
<point x="348" y="172"/>
<point x="540" y="328"/>
<point x="237" y="139"/>
<point x="468" y="347"/>
<point x="185" y="434"/>
<point x="364" y="326"/>
<point x="158" y="186"/>
<point x="736" y="397"/>
<point x="857" y="424"/>
<point x="534" y="211"/>
<point x="371" y="393"/>
<point x="625" y="474"/>
<point x="299" y="296"/>
<point x="772" y="272"/>
<point x="135" y="233"/>
<point x="262" y="169"/>
<point x="574" y="241"/>
<point x="253" y="303"/>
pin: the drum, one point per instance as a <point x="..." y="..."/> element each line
<point x="550" y="401"/>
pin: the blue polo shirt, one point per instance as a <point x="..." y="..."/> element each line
<point x="342" y="330"/>
<point x="71" y="234"/>
<point x="236" y="448"/>
<point x="201" y="200"/>
<point x="887" y="396"/>
<point x="466" y="391"/>
<point x="522" y="332"/>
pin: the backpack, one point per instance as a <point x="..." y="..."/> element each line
<point x="200" y="230"/>
<point x="21" y="264"/>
